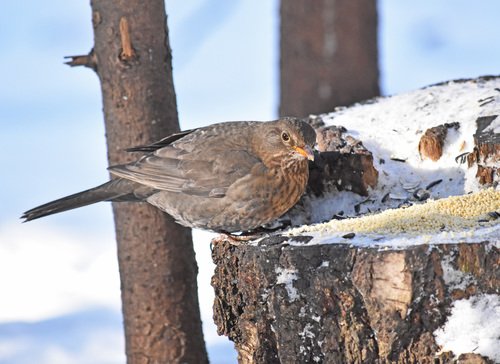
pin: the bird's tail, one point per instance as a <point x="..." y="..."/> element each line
<point x="115" y="190"/>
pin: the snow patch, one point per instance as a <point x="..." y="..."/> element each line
<point x="405" y="118"/>
<point x="494" y="126"/>
<point x="287" y="276"/>
<point x="302" y="312"/>
<point x="264" y="295"/>
<point x="307" y="333"/>
<point x="455" y="279"/>
<point x="472" y="327"/>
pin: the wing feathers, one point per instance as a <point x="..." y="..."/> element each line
<point x="175" y="165"/>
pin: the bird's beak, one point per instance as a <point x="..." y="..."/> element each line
<point x="305" y="151"/>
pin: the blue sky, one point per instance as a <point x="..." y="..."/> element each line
<point x="59" y="275"/>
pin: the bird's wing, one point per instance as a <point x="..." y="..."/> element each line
<point x="202" y="163"/>
<point x="161" y="143"/>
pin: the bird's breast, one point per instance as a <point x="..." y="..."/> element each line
<point x="290" y="185"/>
<point x="256" y="199"/>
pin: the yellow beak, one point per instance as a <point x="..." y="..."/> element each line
<point x="305" y="151"/>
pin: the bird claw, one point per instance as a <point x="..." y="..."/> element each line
<point x="235" y="240"/>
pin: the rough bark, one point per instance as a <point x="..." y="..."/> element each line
<point x="344" y="304"/>
<point x="328" y="54"/>
<point x="342" y="163"/>
<point x="158" y="271"/>
<point x="486" y="152"/>
<point x="432" y="142"/>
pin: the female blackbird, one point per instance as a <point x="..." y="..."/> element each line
<point x="227" y="177"/>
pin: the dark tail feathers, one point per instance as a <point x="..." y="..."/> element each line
<point x="115" y="190"/>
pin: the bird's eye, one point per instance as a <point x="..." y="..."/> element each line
<point x="285" y="136"/>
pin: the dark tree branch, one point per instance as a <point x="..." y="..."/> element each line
<point x="87" y="60"/>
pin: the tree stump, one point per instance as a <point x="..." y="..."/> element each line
<point x="385" y="291"/>
<point x="338" y="303"/>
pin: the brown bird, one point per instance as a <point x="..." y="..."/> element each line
<point x="227" y="177"/>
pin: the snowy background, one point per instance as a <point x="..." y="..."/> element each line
<point x="60" y="299"/>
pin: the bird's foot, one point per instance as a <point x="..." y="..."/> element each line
<point x="235" y="240"/>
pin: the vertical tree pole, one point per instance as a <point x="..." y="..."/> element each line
<point x="328" y="54"/>
<point x="132" y="58"/>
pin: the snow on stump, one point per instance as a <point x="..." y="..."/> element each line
<point x="400" y="266"/>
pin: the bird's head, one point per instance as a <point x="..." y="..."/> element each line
<point x="287" y="138"/>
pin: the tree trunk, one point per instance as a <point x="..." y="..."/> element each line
<point x="158" y="270"/>
<point x="337" y="303"/>
<point x="328" y="54"/>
